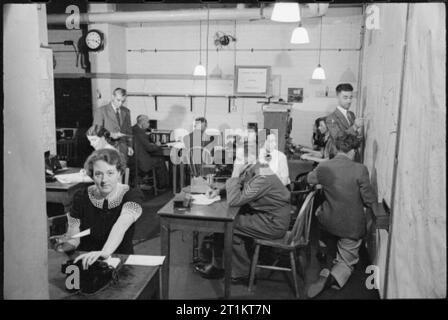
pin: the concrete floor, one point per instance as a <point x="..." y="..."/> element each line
<point x="187" y="284"/>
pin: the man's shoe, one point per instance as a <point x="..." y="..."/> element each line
<point x="321" y="283"/>
<point x="209" y="271"/>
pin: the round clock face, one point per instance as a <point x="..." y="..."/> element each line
<point x="94" y="40"/>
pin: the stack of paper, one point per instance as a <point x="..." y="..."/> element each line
<point x="202" y="199"/>
<point x="73" y="178"/>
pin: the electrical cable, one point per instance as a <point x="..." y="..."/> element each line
<point x="206" y="62"/>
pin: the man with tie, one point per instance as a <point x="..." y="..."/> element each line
<point x="342" y="120"/>
<point x="116" y="118"/>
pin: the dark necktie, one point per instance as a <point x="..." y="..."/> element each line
<point x="117" y="113"/>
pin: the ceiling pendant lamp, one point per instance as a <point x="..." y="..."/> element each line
<point x="286" y="12"/>
<point x="199" y="70"/>
<point x="300" y="35"/>
<point x="319" y="72"/>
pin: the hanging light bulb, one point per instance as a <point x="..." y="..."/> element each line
<point x="199" y="70"/>
<point x="319" y="72"/>
<point x="286" y="12"/>
<point x="300" y="35"/>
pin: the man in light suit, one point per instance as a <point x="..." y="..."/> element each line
<point x="342" y="120"/>
<point x="116" y="118"/>
<point x="347" y="190"/>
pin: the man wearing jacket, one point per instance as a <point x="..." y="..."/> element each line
<point x="116" y="118"/>
<point x="342" y="120"/>
<point x="147" y="154"/>
<point x="347" y="190"/>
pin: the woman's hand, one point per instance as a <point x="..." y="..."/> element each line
<point x="90" y="257"/>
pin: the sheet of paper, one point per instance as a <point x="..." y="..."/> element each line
<point x="113" y="261"/>
<point x="144" y="260"/>
<point x="81" y="234"/>
<point x="73" y="178"/>
<point x="202" y="199"/>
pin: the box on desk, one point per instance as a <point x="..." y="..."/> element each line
<point x="182" y="200"/>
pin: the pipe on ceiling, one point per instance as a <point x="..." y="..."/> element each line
<point x="175" y="15"/>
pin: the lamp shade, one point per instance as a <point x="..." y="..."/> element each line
<point x="300" y="35"/>
<point x="286" y="12"/>
<point x="199" y="70"/>
<point x="318" y="73"/>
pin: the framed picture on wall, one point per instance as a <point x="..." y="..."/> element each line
<point x="252" y="80"/>
<point x="295" y="95"/>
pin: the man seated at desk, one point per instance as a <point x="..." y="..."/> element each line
<point x="264" y="214"/>
<point x="148" y="155"/>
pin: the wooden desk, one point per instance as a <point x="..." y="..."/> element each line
<point x="58" y="192"/>
<point x="217" y="217"/>
<point x="134" y="282"/>
<point x="297" y="167"/>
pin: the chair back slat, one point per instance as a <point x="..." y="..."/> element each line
<point x="301" y="229"/>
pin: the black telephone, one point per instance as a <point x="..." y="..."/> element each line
<point x="95" y="278"/>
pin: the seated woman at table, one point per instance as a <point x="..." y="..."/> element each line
<point x="321" y="148"/>
<point x="265" y="214"/>
<point x="108" y="208"/>
<point x="100" y="138"/>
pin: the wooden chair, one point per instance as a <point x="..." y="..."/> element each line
<point x="126" y="176"/>
<point x="297" y="238"/>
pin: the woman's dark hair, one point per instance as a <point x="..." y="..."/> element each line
<point x="99" y="131"/>
<point x="110" y="156"/>
<point x="346" y="142"/>
<point x="318" y="137"/>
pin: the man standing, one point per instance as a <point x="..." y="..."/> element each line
<point x="116" y="118"/>
<point x="347" y="190"/>
<point x="148" y="155"/>
<point x="342" y="120"/>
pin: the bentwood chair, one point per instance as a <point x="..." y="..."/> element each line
<point x="295" y="239"/>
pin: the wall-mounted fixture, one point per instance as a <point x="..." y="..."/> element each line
<point x="319" y="72"/>
<point x="222" y="39"/>
<point x="286" y="12"/>
<point x="94" y="40"/>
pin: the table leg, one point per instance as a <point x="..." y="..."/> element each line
<point x="165" y="251"/>
<point x="228" y="238"/>
<point x="182" y="176"/>
<point x="174" y="178"/>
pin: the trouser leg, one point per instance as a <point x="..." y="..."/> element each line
<point x="240" y="258"/>
<point x="346" y="257"/>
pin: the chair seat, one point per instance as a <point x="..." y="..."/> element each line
<point x="282" y="243"/>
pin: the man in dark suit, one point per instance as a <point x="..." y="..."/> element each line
<point x="347" y="190"/>
<point x="148" y="155"/>
<point x="342" y="120"/>
<point x="116" y="118"/>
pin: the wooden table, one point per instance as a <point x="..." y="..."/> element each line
<point x="297" y="167"/>
<point x="216" y="217"/>
<point x="134" y="282"/>
<point x="58" y="192"/>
